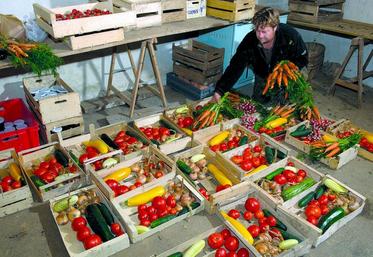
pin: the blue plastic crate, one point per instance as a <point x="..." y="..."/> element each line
<point x="189" y="89"/>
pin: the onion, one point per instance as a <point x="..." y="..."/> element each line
<point x="353" y="206"/>
<point x="201" y="175"/>
<point x="135" y="168"/>
<point x="62" y="219"/>
<point x="262" y="248"/>
<point x="201" y="163"/>
<point x="193" y="175"/>
<point x="142" y="179"/>
<point x="82" y="199"/>
<point x="185" y="200"/>
<point x="73" y="213"/>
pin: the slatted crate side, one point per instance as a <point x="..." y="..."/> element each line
<point x="199" y="51"/>
<point x="74" y="125"/>
<point x="46" y="19"/>
<point x="74" y="247"/>
<point x="95" y="39"/>
<point x="173" y="10"/>
<point x="129" y="214"/>
<point x="296" y="216"/>
<point x="196" y="75"/>
<point x="238" y="203"/>
<point x="231" y="10"/>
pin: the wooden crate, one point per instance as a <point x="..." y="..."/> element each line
<point x="16" y="199"/>
<point x="232" y="10"/>
<point x="238" y="203"/>
<point x="316" y="10"/>
<point x="196" y="8"/>
<point x="166" y="148"/>
<point x="173" y="10"/>
<point x="240" y="173"/>
<point x="70" y="127"/>
<point x="148" y="13"/>
<point x="311" y="172"/>
<point x="46" y="19"/>
<point x="74" y="247"/>
<point x="129" y="214"/>
<point x="31" y="157"/>
<point x="53" y="108"/>
<point x="298" y="218"/>
<point x="98" y="176"/>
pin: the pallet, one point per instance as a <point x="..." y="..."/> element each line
<point x="173" y="10"/>
<point x="16" y="199"/>
<point x="128" y="215"/>
<point x="196" y="9"/>
<point x="232" y="10"/>
<point x="46" y="19"/>
<point x="31" y="157"/>
<point x="148" y="13"/>
<point x="296" y="216"/>
<point x="74" y="247"/>
<point x="238" y="203"/>
<point x="316" y="11"/>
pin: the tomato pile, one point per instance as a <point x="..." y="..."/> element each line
<point x="317" y="208"/>
<point x="127" y="143"/>
<point x="160" y="134"/>
<point x="364" y="143"/>
<point x="226" y="244"/>
<point x="236" y="138"/>
<point x="272" y="132"/>
<point x="185" y="122"/>
<point x="76" y="14"/>
<point x="8" y="184"/>
<point x="251" y="158"/>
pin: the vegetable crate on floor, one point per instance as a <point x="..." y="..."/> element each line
<point x="300" y="244"/>
<point x="346" y="206"/>
<point x="100" y="216"/>
<point x="14" y="110"/>
<point x="173" y="10"/>
<point x="129" y="214"/>
<point x="196" y="8"/>
<point x="316" y="10"/>
<point x="18" y="198"/>
<point x="198" y="62"/>
<point x="148" y="13"/>
<point x="50" y="171"/>
<point x="232" y="10"/>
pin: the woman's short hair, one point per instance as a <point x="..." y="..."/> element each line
<point x="266" y="16"/>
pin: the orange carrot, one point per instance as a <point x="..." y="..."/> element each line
<point x="203" y="115"/>
<point x="266" y="87"/>
<point x="331" y="147"/>
<point x="292" y="66"/>
<point x="316" y="111"/>
<point x="287" y="113"/>
<point x="276" y="67"/>
<point x="279" y="78"/>
<point x="286" y="95"/>
<point x="333" y="152"/>
<point x="285" y="79"/>
<point x="275" y="109"/>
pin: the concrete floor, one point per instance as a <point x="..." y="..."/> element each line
<point x="32" y="232"/>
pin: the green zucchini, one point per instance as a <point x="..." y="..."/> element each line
<point x="269" y="154"/>
<point x="279" y="223"/>
<point x="61" y="158"/>
<point x="108" y="141"/>
<point x="177" y="254"/>
<point x="186" y="209"/>
<point x="320" y="190"/>
<point x="305" y="200"/>
<point x="106" y="214"/>
<point x="280" y="155"/>
<point x="184" y="167"/>
<point x="166" y="124"/>
<point x="294" y="190"/>
<point x="301" y="133"/>
<point x="244" y="140"/>
<point x="97" y="222"/>
<point x="273" y="174"/>
<point x="278" y="133"/>
<point x="37" y="181"/>
<point x="162" y="220"/>
<point x="75" y="159"/>
<point x="330" y="218"/>
<point x="286" y="235"/>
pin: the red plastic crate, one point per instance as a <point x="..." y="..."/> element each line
<point x="22" y="139"/>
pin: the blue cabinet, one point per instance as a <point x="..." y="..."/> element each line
<point x="229" y="38"/>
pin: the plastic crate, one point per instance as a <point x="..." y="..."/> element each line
<point x="21" y="139"/>
<point x="187" y="88"/>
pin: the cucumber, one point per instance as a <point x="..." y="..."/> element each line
<point x="286" y="235"/>
<point x="279" y="223"/>
<point x="292" y="191"/>
<point x="305" y="200"/>
<point x="269" y="154"/>
<point x="108" y="141"/>
<point x="273" y="174"/>
<point x="243" y="141"/>
<point x="37" y="181"/>
<point x="197" y="157"/>
<point x="184" y="167"/>
<point x="65" y="203"/>
<point x="97" y="222"/>
<point x="162" y="220"/>
<point x="141" y="229"/>
<point x="61" y="158"/>
<point x="106" y="213"/>
<point x="195" y="249"/>
<point x="320" y="190"/>
<point x="177" y="254"/>
<point x="330" y="218"/>
<point x="288" y="244"/>
<point x="186" y="209"/>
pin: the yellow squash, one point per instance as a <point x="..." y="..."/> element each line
<point x="369" y="137"/>
<point x="119" y="175"/>
<point x="256" y="170"/>
<point x="146" y="197"/>
<point x="219" y="138"/>
<point x="329" y="138"/>
<point x="219" y="176"/>
<point x="98" y="144"/>
<point x="15" y="172"/>
<point x="239" y="227"/>
<point x="187" y="131"/>
<point x="276" y="123"/>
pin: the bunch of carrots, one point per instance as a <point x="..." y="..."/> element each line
<point x="281" y="74"/>
<point x="18" y="49"/>
<point x="308" y="113"/>
<point x="210" y="116"/>
<point x="283" y="111"/>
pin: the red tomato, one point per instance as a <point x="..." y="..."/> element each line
<point x="204" y="192"/>
<point x="262" y="160"/>
<point x="243" y="252"/>
<point x="164" y="131"/>
<point x="257" y="149"/>
<point x="234" y="214"/>
<point x="223" y="147"/>
<point x="52" y="160"/>
<point x="48" y="177"/>
<point x="119" y="140"/>
<point x="254" y="230"/>
<point x="247" y="156"/>
<point x="237" y="159"/>
<point x="271" y="221"/>
<point x="274" y="232"/>
<point x="314" y="203"/>
<point x="225" y="233"/>
<point x="262" y="130"/>
<point x="7" y="179"/>
<point x="16" y="184"/>
<point x="323" y="200"/>
<point x="112" y="183"/>
<point x="121" y="133"/>
<point x="246" y="165"/>
<point x="221" y="252"/>
<point x="248" y="215"/>
<point x="290" y="164"/>
<point x="92" y="241"/>
<point x="252" y="204"/>
<point x="44" y="165"/>
<point x="263" y="227"/>
<point x="138" y="184"/>
<point x="312" y="219"/>
<point x="280" y="179"/>
<point x="159" y="203"/>
<point x="256" y="162"/>
<point x="78" y="223"/>
<point x="151" y="210"/>
<point x="332" y="197"/>
<point x="232" y="254"/>
<point x="298" y="179"/>
<point x="215" y="148"/>
<point x="188" y="121"/>
<point x="116" y="229"/>
<point x="370" y="148"/>
<point x="232" y="144"/>
<point x="92" y="155"/>
<point x="5" y="186"/>
<point x="162" y="213"/>
<point x="83" y="233"/>
<point x="142" y="208"/>
<point x="262" y="220"/>
<point x="215" y="240"/>
<point x="236" y="139"/>
<point x="83" y="158"/>
<point x="142" y="216"/>
<point x="153" y="217"/>
<point x="289" y="174"/>
<point x="73" y="169"/>
<point x="231" y="243"/>
<point x="324" y="209"/>
<point x="40" y="171"/>
<point x="121" y="189"/>
<point x="259" y="214"/>
<point x="145" y="223"/>
<point x="247" y="151"/>
<point x="313" y="211"/>
<point x="302" y="173"/>
<point x="158" y="174"/>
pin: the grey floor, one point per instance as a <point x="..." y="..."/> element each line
<point x="32" y="232"/>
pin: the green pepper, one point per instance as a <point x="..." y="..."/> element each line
<point x="301" y="131"/>
<point x="243" y="140"/>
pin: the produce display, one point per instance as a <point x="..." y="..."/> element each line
<point x="227" y="244"/>
<point x="11" y="177"/>
<point x="367" y="143"/>
<point x="160" y="134"/>
<point x="127" y="141"/>
<point x="312" y="131"/>
<point x="77" y="14"/>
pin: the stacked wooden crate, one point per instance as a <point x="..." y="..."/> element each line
<point x="232" y="10"/>
<point x="198" y="67"/>
<point x="54" y="110"/>
<point x="173" y="10"/>
<point x="196" y="8"/>
<point x="316" y="10"/>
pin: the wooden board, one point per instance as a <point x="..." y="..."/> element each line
<point x="70" y="127"/>
<point x="74" y="247"/>
<point x="95" y="39"/>
<point x="231" y="10"/>
<point x="297" y="217"/>
<point x="53" y="108"/>
<point x="16" y="199"/>
<point x="173" y="10"/>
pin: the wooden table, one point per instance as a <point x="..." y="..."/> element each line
<point x="362" y="34"/>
